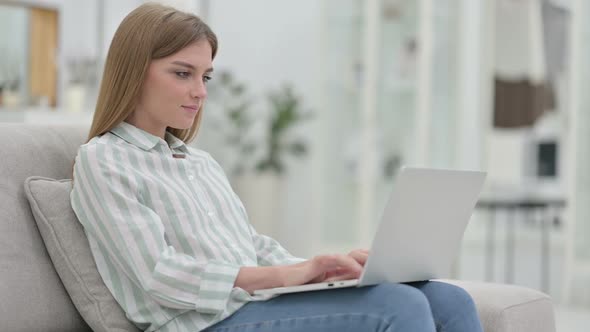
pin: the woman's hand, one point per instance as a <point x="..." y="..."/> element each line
<point x="359" y="255"/>
<point x="326" y="268"/>
<point x="318" y="269"/>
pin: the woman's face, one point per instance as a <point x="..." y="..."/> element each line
<point x="174" y="90"/>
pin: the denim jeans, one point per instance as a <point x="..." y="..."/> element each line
<point x="413" y="307"/>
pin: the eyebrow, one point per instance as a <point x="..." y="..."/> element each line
<point x="188" y="65"/>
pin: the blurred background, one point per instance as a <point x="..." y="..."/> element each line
<point x="316" y="104"/>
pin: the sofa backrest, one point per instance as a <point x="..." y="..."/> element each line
<point x="32" y="297"/>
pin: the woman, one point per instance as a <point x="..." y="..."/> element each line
<point x="169" y="236"/>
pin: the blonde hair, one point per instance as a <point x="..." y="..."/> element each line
<point x="151" y="31"/>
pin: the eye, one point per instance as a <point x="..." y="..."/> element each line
<point x="183" y="74"/>
<point x="207" y="78"/>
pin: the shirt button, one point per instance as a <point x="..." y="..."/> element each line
<point x="191" y="177"/>
<point x="211" y="213"/>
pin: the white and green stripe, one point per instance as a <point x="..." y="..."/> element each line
<point x="168" y="234"/>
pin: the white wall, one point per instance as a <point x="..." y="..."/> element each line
<point x="266" y="43"/>
<point x="78" y="28"/>
<point x="114" y="12"/>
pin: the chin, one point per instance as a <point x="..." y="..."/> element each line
<point x="182" y="125"/>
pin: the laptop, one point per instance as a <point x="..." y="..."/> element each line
<point x="420" y="231"/>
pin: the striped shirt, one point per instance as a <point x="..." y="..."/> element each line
<point x="166" y="230"/>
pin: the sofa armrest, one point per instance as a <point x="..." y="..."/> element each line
<point x="510" y="308"/>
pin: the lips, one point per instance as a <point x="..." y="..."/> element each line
<point x="191" y="108"/>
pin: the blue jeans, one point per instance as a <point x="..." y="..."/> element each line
<point x="414" y="307"/>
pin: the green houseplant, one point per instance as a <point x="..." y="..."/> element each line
<point x="10" y="84"/>
<point x="232" y="121"/>
<point x="286" y="112"/>
<point x="238" y="127"/>
<point x="263" y="189"/>
<point x="256" y="146"/>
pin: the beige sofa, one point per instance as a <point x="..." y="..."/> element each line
<point x="33" y="297"/>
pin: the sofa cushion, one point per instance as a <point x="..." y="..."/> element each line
<point x="32" y="297"/>
<point x="510" y="308"/>
<point x="69" y="250"/>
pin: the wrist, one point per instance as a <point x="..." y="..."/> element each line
<point x="319" y="278"/>
<point x="284" y="272"/>
<point x="296" y="274"/>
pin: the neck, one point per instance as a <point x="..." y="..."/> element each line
<point x="144" y="124"/>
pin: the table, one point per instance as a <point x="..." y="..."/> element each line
<point x="548" y="210"/>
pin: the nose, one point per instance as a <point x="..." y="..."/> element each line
<point x="199" y="90"/>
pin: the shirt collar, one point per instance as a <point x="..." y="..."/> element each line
<point x="175" y="142"/>
<point x="145" y="140"/>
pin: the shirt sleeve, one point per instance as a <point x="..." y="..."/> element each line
<point x="106" y="197"/>
<point x="269" y="252"/>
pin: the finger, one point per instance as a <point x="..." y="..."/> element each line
<point x="359" y="256"/>
<point x="351" y="264"/>
<point x="342" y="262"/>
<point x="350" y="268"/>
